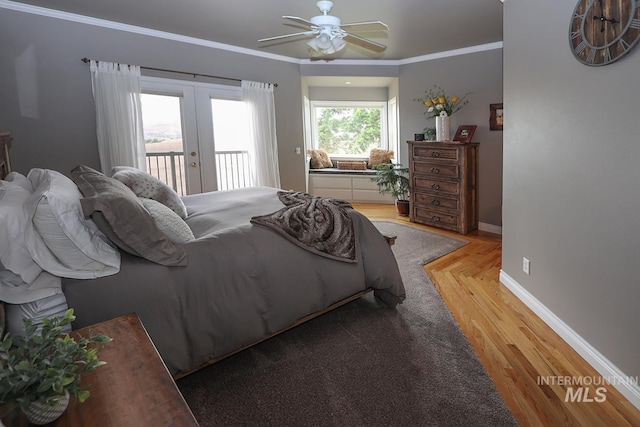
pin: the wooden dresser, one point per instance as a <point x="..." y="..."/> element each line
<point x="444" y="184"/>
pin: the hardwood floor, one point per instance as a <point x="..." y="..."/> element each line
<point x="516" y="347"/>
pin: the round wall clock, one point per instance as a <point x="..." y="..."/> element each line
<point x="603" y="31"/>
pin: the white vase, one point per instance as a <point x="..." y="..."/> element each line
<point x="40" y="413"/>
<point x="443" y="129"/>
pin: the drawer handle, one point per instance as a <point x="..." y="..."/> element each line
<point x="435" y="170"/>
<point x="435" y="218"/>
<point x="435" y="202"/>
<point x="435" y="186"/>
<point x="435" y="154"/>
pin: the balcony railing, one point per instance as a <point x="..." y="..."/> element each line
<point x="232" y="168"/>
<point x="169" y="168"/>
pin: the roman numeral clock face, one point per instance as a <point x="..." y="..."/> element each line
<point x="603" y="31"/>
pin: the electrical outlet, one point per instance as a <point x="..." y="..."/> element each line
<point x="525" y="265"/>
<point x="298" y="150"/>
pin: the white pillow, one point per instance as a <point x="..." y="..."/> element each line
<point x="150" y="187"/>
<point x="14" y="290"/>
<point x="19" y="179"/>
<point x="168" y="222"/>
<point x="13" y="223"/>
<point x="59" y="221"/>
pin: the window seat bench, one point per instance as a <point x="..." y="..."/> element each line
<point x="350" y="185"/>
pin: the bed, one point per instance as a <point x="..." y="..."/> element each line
<point x="237" y="281"/>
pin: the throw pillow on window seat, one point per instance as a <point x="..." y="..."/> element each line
<point x="378" y="156"/>
<point x="319" y="159"/>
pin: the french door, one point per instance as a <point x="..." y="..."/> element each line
<point x="191" y="131"/>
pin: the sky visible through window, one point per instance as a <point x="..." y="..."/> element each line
<point x="161" y="119"/>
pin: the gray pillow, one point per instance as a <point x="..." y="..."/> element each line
<point x="121" y="216"/>
<point x="168" y="221"/>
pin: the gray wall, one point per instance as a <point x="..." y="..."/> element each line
<point x="56" y="129"/>
<point x="480" y="74"/>
<point x="571" y="175"/>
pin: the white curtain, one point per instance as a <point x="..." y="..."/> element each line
<point x="116" y="91"/>
<point x="262" y="119"/>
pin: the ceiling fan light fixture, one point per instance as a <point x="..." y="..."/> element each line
<point x="313" y="44"/>
<point x="323" y="41"/>
<point x="326" y="45"/>
<point x="338" y="43"/>
<point x="327" y="42"/>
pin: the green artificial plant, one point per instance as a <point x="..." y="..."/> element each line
<point x="392" y="179"/>
<point x="41" y="365"/>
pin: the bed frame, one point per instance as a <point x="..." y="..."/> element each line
<point x="5" y="161"/>
<point x="298" y="323"/>
<point x="5" y="169"/>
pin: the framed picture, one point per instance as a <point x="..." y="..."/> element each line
<point x="496" y="118"/>
<point x="465" y="133"/>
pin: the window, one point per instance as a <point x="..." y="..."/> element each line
<point x="196" y="135"/>
<point x="349" y="129"/>
<point x="164" y="148"/>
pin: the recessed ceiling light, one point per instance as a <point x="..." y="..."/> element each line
<point x="347" y="83"/>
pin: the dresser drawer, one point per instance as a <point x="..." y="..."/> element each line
<point x="427" y="184"/>
<point x="436" y="169"/>
<point x="431" y="201"/>
<point x="330" y="182"/>
<point x="432" y="217"/>
<point x="443" y="153"/>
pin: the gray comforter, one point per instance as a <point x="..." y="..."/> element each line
<point x="242" y="282"/>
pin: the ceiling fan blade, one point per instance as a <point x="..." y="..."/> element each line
<point x="300" y="21"/>
<point x="367" y="44"/>
<point x="366" y="26"/>
<point x="304" y="33"/>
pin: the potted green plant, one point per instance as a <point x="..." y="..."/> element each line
<point x="40" y="370"/>
<point x="393" y="179"/>
<point x="429" y="134"/>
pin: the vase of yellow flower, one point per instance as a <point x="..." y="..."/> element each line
<point x="443" y="128"/>
<point x="442" y="107"/>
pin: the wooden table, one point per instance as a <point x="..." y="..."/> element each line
<point x="134" y="388"/>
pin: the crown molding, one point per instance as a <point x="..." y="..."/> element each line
<point x="454" y="52"/>
<point x="51" y="13"/>
<point x="67" y="16"/>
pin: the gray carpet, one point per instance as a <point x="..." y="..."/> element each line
<point x="362" y="364"/>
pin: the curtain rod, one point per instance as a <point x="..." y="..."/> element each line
<point x="86" y="60"/>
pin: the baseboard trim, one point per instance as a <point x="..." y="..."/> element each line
<point x="599" y="362"/>
<point x="490" y="228"/>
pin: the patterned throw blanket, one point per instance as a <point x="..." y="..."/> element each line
<point x="318" y="224"/>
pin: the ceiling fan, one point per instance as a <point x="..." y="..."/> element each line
<point x="331" y="34"/>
